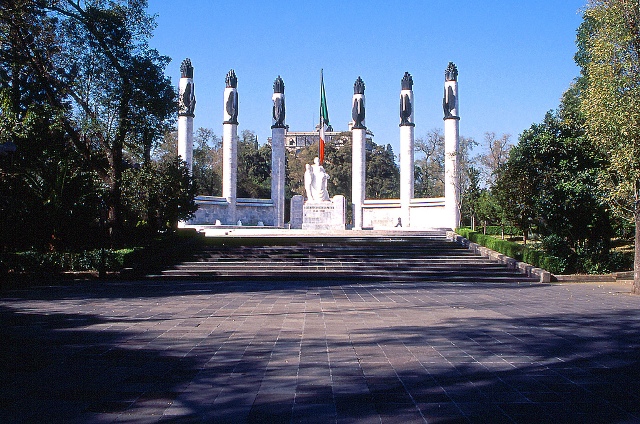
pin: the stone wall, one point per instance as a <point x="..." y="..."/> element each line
<point x="249" y="211"/>
<point x="424" y="213"/>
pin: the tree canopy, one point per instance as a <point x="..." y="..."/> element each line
<point x="83" y="98"/>
<point x="609" y="57"/>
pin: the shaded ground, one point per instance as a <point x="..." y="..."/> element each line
<point x="327" y="351"/>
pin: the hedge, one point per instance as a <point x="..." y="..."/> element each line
<point x="496" y="230"/>
<point x="150" y="256"/>
<point x="89" y="260"/>
<point x="516" y="251"/>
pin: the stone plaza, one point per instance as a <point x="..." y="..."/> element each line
<point x="444" y="346"/>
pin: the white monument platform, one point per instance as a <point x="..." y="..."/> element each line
<point x="321" y="216"/>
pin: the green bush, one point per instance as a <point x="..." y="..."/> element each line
<point x="526" y="254"/>
<point x="55" y="262"/>
<point x="496" y="230"/>
<point x="464" y="232"/>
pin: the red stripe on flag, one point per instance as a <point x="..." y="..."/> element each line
<point x="321" y="143"/>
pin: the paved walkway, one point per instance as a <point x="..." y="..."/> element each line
<point x="327" y="351"/>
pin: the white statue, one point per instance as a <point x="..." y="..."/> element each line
<point x="315" y="182"/>
<point x="308" y="178"/>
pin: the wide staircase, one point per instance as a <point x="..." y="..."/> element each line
<point x="400" y="257"/>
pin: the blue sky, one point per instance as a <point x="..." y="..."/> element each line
<point x="515" y="59"/>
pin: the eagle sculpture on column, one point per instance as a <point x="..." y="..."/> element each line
<point x="448" y="101"/>
<point x="278" y="112"/>
<point x="278" y="104"/>
<point x="405" y="109"/>
<point x="232" y="101"/>
<point x="358" y="111"/>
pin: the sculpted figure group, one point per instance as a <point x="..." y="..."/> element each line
<point x="315" y="182"/>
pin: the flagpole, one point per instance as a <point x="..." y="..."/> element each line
<point x="320" y="155"/>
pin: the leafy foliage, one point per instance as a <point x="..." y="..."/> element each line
<point x="429" y="168"/>
<point x="82" y="98"/>
<point x="609" y="57"/>
<point x="495" y="156"/>
<point x="609" y="49"/>
<point x="158" y="195"/>
<point x="550" y="183"/>
<point x="207" y="162"/>
<point x="383" y="175"/>
<point x="537" y="258"/>
<point x="254" y="167"/>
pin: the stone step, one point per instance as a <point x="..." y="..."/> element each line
<point x="354" y="256"/>
<point x="341" y="265"/>
<point x="383" y="257"/>
<point x="361" y="276"/>
<point x="285" y="270"/>
<point x="415" y="264"/>
<point x="382" y="251"/>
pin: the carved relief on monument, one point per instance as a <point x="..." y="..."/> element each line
<point x="449" y="100"/>
<point x="187" y="98"/>
<point x="231" y="103"/>
<point x="358" y="110"/>
<point x="406" y="108"/>
<point x="278" y="104"/>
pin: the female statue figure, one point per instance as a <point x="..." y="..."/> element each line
<point x="315" y="182"/>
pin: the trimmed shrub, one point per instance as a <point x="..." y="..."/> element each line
<point x="55" y="262"/>
<point x="496" y="230"/>
<point x="516" y="251"/>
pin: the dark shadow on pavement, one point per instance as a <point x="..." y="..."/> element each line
<point x="556" y="367"/>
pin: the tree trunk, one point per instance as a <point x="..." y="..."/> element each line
<point x="117" y="150"/>
<point x="147" y="141"/>
<point x="636" y="259"/>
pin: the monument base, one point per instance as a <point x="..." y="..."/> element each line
<point x="322" y="216"/>
<point x="296" y="215"/>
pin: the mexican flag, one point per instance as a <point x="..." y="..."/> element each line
<point x="324" y="118"/>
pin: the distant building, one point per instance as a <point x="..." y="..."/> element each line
<point x="297" y="140"/>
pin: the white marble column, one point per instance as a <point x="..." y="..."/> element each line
<point x="186" y="108"/>
<point x="358" y="165"/>
<point x="278" y="129"/>
<point x="451" y="143"/>
<point x="230" y="145"/>
<point x="230" y="161"/>
<point x="407" y="128"/>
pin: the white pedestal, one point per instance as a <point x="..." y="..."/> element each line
<point x="325" y="216"/>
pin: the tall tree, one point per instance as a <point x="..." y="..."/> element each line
<point x="471" y="196"/>
<point x="495" y="155"/>
<point x="383" y="175"/>
<point x="429" y="168"/>
<point x="81" y="92"/>
<point x="207" y="162"/>
<point x="515" y="190"/>
<point x="46" y="191"/>
<point x="254" y="167"/>
<point x="120" y="96"/>
<point x="609" y="55"/>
